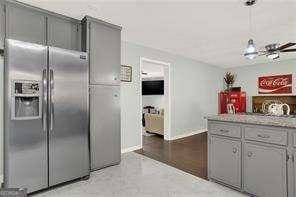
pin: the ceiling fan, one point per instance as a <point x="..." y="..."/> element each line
<point x="272" y="51"/>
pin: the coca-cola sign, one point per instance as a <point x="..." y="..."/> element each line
<point x="277" y="84"/>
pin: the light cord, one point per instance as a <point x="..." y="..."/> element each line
<point x="250" y="21"/>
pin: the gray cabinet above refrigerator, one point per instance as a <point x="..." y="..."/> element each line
<point x="34" y="25"/>
<point x="25" y="24"/>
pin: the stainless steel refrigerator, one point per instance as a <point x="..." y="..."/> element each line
<point x="46" y="130"/>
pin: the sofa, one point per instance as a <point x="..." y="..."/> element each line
<point x="154" y="123"/>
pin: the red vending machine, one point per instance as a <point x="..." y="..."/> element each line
<point x="238" y="99"/>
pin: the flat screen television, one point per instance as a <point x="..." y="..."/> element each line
<point x="153" y="87"/>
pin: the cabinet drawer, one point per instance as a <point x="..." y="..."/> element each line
<point x="226" y="129"/>
<point x="266" y="135"/>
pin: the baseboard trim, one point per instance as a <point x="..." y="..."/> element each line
<point x="130" y="149"/>
<point x="188" y="134"/>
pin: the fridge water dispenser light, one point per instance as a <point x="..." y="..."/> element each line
<point x="26" y="107"/>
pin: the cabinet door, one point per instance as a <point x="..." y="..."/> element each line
<point x="25" y="24"/>
<point x="104" y="126"/>
<point x="63" y="33"/>
<point x="2" y="27"/>
<point x="265" y="171"/>
<point x="225" y="161"/>
<point x="104" y="54"/>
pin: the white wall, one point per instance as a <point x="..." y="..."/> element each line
<point x="1" y="116"/>
<point x="194" y="88"/>
<point x="156" y="101"/>
<point x="247" y="77"/>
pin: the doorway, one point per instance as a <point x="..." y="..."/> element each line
<point x="188" y="154"/>
<point x="155" y="99"/>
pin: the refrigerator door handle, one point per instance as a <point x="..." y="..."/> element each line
<point x="51" y="103"/>
<point x="44" y="99"/>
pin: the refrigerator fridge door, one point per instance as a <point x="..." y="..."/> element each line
<point x="104" y="126"/>
<point x="25" y="157"/>
<point x="68" y="116"/>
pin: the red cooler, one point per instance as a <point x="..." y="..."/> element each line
<point x="238" y="99"/>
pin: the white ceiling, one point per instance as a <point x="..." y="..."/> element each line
<point x="211" y="31"/>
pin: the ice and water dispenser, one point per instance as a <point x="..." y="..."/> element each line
<point x="26" y="100"/>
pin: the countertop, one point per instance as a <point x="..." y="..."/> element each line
<point x="289" y="122"/>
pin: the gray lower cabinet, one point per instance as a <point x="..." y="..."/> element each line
<point x="104" y="47"/>
<point x="25" y="24"/>
<point x="259" y="162"/>
<point x="2" y="25"/>
<point x="63" y="33"/>
<point x="225" y="160"/>
<point x="104" y="126"/>
<point x="265" y="171"/>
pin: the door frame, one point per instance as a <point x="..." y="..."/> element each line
<point x="167" y="94"/>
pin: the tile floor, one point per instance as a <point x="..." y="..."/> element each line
<point x="140" y="176"/>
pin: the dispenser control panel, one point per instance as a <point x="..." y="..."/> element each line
<point x="26" y="87"/>
<point x="26" y="100"/>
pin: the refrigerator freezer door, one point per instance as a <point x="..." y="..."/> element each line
<point x="25" y="157"/>
<point x="68" y="116"/>
<point x="104" y="126"/>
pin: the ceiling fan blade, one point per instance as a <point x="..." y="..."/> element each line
<point x="286" y="46"/>
<point x="288" y="50"/>
<point x="276" y="58"/>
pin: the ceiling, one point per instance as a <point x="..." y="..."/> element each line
<point x="212" y="31"/>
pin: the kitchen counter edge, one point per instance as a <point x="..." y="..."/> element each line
<point x="255" y="119"/>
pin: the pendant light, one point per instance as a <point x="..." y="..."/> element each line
<point x="251" y="51"/>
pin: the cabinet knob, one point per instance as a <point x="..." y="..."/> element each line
<point x="250" y="154"/>
<point x="234" y="150"/>
<point x="224" y="131"/>
<point x="115" y="78"/>
<point x="115" y="95"/>
<point x="263" y="136"/>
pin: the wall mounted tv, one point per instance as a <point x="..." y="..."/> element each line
<point x="153" y="87"/>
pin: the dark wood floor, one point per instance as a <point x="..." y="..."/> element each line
<point x="188" y="154"/>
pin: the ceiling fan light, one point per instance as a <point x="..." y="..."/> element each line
<point x="251" y="52"/>
<point x="251" y="55"/>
